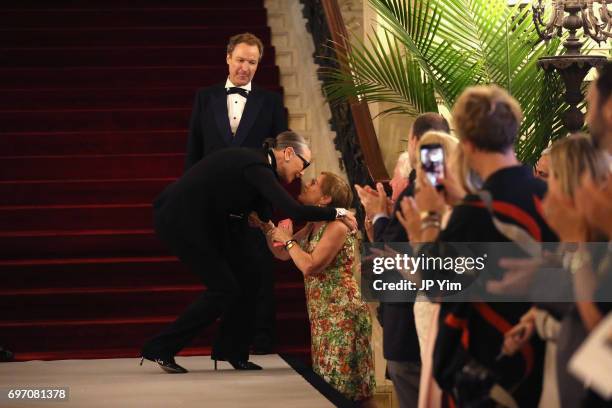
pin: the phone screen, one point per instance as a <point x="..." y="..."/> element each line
<point x="432" y="161"/>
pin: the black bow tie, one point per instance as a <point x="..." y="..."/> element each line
<point x="240" y="91"/>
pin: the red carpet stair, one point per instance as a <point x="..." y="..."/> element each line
<point x="95" y="97"/>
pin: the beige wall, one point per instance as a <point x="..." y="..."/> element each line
<point x="391" y="130"/>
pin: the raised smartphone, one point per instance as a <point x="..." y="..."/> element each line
<point x="432" y="162"/>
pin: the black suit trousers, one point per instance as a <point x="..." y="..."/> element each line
<point x="231" y="288"/>
<point x="261" y="262"/>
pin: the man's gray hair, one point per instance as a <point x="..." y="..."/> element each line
<point x="403" y="164"/>
<point x="287" y="139"/>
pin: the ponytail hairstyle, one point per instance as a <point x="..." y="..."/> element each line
<point x="286" y="139"/>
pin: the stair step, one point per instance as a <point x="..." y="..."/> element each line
<point x="71" y="217"/>
<point x="131" y="17"/>
<point x="53" y="192"/>
<point x="23" y="249"/>
<point x="96" y="98"/>
<point x="74" y="244"/>
<point x="121" y="302"/>
<point x="105" y="98"/>
<point x="127" y="272"/>
<point x="95" y="120"/>
<point x="91" y="167"/>
<point x="155" y="36"/>
<point x="113" y="56"/>
<point x="121" y="4"/>
<point x="59" y="335"/>
<point x="124" y="76"/>
<point x="93" y="142"/>
<point x="85" y="273"/>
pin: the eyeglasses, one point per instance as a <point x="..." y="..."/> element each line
<point x="305" y="162"/>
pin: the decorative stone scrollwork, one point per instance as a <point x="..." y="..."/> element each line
<point x="342" y="123"/>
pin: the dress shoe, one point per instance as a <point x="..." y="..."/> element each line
<point x="6" y="355"/>
<point x="244" y="365"/>
<point x="239" y="364"/>
<point x="167" y="364"/>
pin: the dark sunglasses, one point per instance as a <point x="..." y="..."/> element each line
<point x="305" y="162"/>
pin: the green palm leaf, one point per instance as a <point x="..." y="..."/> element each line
<point x="429" y="48"/>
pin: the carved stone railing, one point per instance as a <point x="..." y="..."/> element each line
<point x="351" y="120"/>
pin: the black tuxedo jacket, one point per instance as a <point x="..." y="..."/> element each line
<point x="209" y="128"/>
<point x="197" y="208"/>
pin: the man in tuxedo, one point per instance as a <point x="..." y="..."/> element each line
<point x="236" y="113"/>
<point x="400" y="342"/>
<point x="239" y="113"/>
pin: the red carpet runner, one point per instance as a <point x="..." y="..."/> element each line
<point x="95" y="97"/>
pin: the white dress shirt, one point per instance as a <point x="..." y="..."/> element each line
<point x="235" y="105"/>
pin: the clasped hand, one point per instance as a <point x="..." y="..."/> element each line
<point x="374" y="201"/>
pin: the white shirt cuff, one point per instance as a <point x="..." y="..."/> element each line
<point x="377" y="216"/>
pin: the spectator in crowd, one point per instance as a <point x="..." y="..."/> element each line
<point x="400" y="340"/>
<point x="587" y="216"/>
<point x="466" y="357"/>
<point x="582" y="218"/>
<point x="426" y="313"/>
<point x="542" y="167"/>
<point x="595" y="202"/>
<point x="399" y="182"/>
<point x="571" y="159"/>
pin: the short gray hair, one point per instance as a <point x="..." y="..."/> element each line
<point x="403" y="164"/>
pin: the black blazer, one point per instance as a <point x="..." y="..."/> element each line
<point x="390" y="229"/>
<point x="400" y="340"/>
<point x="209" y="127"/>
<point x="198" y="207"/>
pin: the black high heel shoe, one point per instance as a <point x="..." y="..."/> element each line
<point x="240" y="364"/>
<point x="168" y="365"/>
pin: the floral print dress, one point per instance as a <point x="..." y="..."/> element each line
<point x="340" y="323"/>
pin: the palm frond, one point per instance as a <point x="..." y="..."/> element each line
<point x="381" y="72"/>
<point x="428" y="48"/>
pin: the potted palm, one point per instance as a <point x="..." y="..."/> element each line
<point x="424" y="53"/>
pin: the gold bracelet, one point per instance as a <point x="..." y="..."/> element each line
<point x="430" y="216"/>
<point x="430" y="224"/>
<point x="289" y="244"/>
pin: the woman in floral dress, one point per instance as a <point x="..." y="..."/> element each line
<point x="340" y="322"/>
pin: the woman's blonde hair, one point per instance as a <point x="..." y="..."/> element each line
<point x="448" y="142"/>
<point x="572" y="157"/>
<point x="335" y="187"/>
<point x="458" y="164"/>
